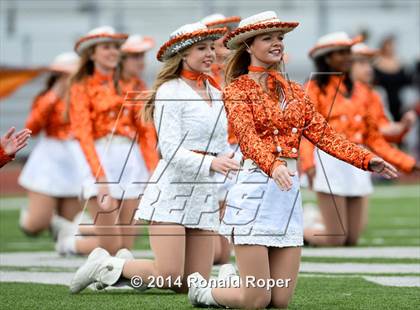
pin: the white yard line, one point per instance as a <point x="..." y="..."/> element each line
<point x="395" y="281"/>
<point x="349" y="268"/>
<point x="63" y="278"/>
<point x="364" y="252"/>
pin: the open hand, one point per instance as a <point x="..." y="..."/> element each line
<point x="13" y="143"/>
<point x="383" y="168"/>
<point x="282" y="176"/>
<point x="225" y="164"/>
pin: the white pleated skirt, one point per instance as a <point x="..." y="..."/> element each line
<point x="54" y="168"/>
<point x="340" y="178"/>
<point x="259" y="213"/>
<point x="124" y="166"/>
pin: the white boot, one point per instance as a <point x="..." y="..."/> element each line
<point x="99" y="267"/>
<point x="123" y="254"/>
<point x="58" y="223"/>
<point x="227" y="272"/>
<point x="311" y="216"/>
<point x="198" y="295"/>
<point x="66" y="240"/>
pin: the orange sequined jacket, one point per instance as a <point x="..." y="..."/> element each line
<point x="133" y="93"/>
<point x="47" y="113"/>
<point x="97" y="110"/>
<point x="354" y="119"/>
<point x="5" y="158"/>
<point x="266" y="131"/>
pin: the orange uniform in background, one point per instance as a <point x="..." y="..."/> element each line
<point x="97" y="110"/>
<point x="355" y="119"/>
<point x="48" y="113"/>
<point x="132" y="91"/>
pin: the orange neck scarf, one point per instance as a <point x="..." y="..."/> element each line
<point x="273" y="78"/>
<point x="199" y="77"/>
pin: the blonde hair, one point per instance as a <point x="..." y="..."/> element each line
<point x="171" y="70"/>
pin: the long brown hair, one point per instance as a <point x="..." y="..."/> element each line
<point x="238" y="62"/>
<point x="171" y="70"/>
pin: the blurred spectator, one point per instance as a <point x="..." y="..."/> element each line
<point x="390" y="74"/>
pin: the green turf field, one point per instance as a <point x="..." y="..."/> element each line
<point x="394" y="221"/>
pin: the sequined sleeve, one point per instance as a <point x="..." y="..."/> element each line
<point x="5" y="158"/>
<point x="240" y="116"/>
<point x="81" y="125"/>
<point x="319" y="133"/>
<point x="40" y="110"/>
<point x="376" y="108"/>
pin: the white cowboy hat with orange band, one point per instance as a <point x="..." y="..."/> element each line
<point x="219" y="20"/>
<point x="257" y="24"/>
<point x="362" y="50"/>
<point x="137" y="44"/>
<point x="333" y="42"/>
<point x="185" y="37"/>
<point x="65" y="62"/>
<point x="99" y="35"/>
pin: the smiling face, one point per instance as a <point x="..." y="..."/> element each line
<point x="340" y="61"/>
<point x="267" y="49"/>
<point x="133" y="64"/>
<point x="106" y="56"/>
<point x="200" y="56"/>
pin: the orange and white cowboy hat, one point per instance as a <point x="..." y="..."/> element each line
<point x="257" y="24"/>
<point x="219" y="20"/>
<point x="362" y="50"/>
<point x="333" y="42"/>
<point x="99" y="35"/>
<point x="137" y="44"/>
<point x="185" y="37"/>
<point x="65" y="62"/>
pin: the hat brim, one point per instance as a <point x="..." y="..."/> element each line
<point x="226" y="22"/>
<point x="235" y="38"/>
<point x="180" y="43"/>
<point x="368" y="53"/>
<point x="146" y="45"/>
<point x="69" y="69"/>
<point x="88" y="41"/>
<point x="321" y="50"/>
